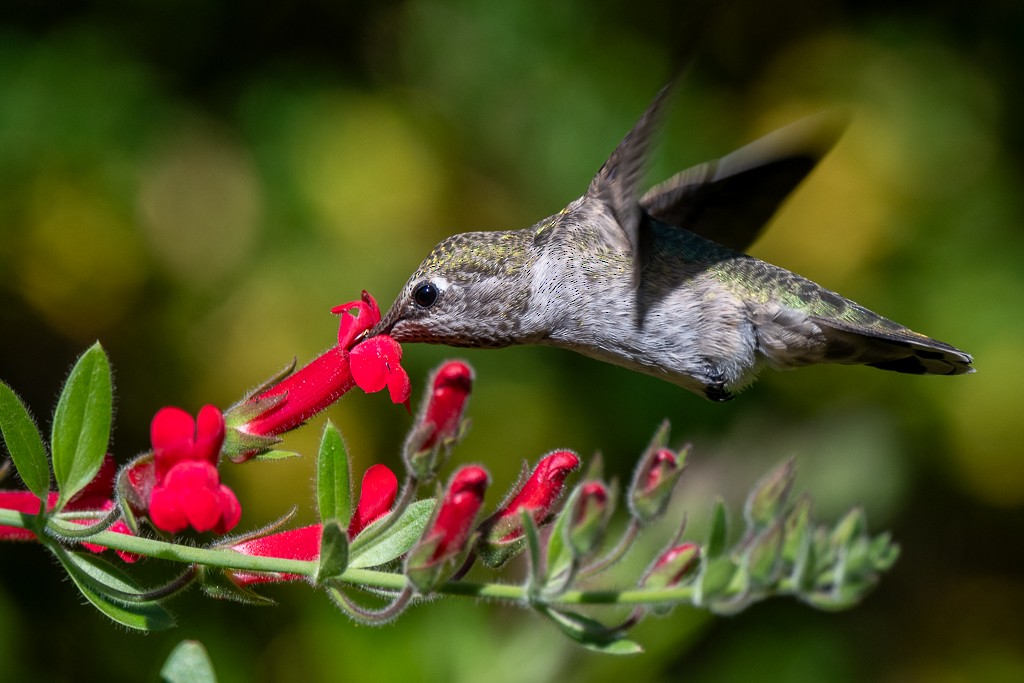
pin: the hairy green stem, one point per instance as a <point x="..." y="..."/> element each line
<point x="229" y="559"/>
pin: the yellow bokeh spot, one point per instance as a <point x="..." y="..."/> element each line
<point x="80" y="262"/>
<point x="200" y="204"/>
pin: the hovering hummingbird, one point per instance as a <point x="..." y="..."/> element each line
<point x="659" y="283"/>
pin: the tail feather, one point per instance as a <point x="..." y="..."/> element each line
<point x="898" y="351"/>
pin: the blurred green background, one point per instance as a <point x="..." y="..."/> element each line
<point x="196" y="183"/>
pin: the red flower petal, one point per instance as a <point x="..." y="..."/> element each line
<point x="356" y="318"/>
<point x="192" y="495"/>
<point x="376" y="363"/>
<point x="377" y="494"/>
<point x="177" y="437"/>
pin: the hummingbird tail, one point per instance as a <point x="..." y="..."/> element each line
<point x="899" y="351"/>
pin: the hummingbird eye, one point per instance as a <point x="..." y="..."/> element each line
<point x="425" y="295"/>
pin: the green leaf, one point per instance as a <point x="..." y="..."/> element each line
<point x="718" y="534"/>
<point x="394" y="542"/>
<point x="188" y="663"/>
<point x="333" y="491"/>
<point x="111" y="591"/>
<point x="333" y="551"/>
<point x="24" y="442"/>
<point x="532" y="535"/>
<point x="715" y="577"/>
<point x="276" y="455"/>
<point x="592" y="634"/>
<point x="797" y="531"/>
<point x="81" y="423"/>
<point x="559" y="552"/>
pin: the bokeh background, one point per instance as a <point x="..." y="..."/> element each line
<point x="196" y="183"/>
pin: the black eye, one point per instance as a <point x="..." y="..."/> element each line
<point x="425" y="295"/>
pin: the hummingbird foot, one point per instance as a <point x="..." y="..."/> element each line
<point x="714" y="385"/>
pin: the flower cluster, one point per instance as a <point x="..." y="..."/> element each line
<point x="400" y="547"/>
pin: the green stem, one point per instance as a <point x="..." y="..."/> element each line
<point x="229" y="559"/>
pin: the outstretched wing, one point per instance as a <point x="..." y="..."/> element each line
<point x="616" y="184"/>
<point x="729" y="200"/>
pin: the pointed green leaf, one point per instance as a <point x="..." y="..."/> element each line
<point x="559" y="553"/>
<point x="394" y="542"/>
<point x="592" y="634"/>
<point x="188" y="663"/>
<point x="532" y="535"/>
<point x="24" y="442"/>
<point x="276" y="455"/>
<point x="81" y="423"/>
<point x="333" y="551"/>
<point x="106" y="587"/>
<point x="718" y="534"/>
<point x="715" y="578"/>
<point x="333" y="490"/>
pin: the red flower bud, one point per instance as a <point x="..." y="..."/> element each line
<point x="447" y="536"/>
<point x="503" y="531"/>
<point x="672" y="567"/>
<point x="588" y="517"/>
<point x="652" y="485"/>
<point x="377" y="494"/>
<point x="447" y="401"/>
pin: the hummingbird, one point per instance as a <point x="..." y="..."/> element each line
<point x="659" y="283"/>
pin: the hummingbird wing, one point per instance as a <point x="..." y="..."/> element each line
<point x="729" y="200"/>
<point x="616" y="185"/>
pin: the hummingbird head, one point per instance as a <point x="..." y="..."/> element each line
<point x="472" y="290"/>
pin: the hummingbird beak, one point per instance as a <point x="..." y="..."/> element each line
<point x="384" y="326"/>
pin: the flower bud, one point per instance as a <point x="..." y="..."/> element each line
<point x="672" y="567"/>
<point x="440" y="422"/>
<point x="588" y="517"/>
<point x="434" y="556"/>
<point x="655" y="477"/>
<point x="503" y="531"/>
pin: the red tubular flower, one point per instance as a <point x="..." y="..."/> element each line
<point x="377" y="494"/>
<point x="288" y="403"/>
<point x="447" y="536"/>
<point x="302" y="394"/>
<point x="655" y="477"/>
<point x="96" y="496"/>
<point x="185" y="489"/>
<point x="295" y="544"/>
<point x="503" y="531"/>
